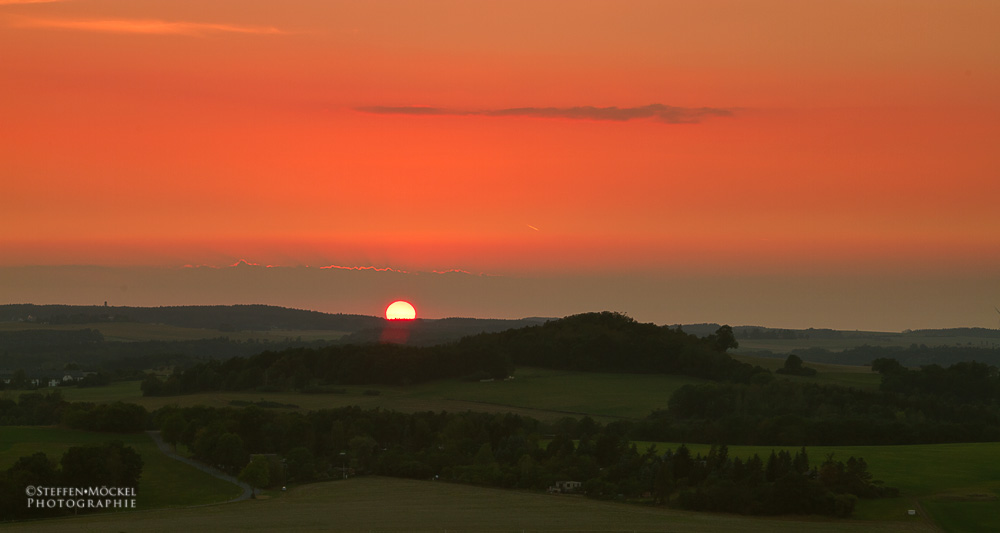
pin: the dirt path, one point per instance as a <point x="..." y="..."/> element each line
<point x="926" y="517"/>
<point x="165" y="448"/>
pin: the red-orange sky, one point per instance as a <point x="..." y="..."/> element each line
<point x="626" y="140"/>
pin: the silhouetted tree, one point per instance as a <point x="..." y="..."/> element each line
<point x="256" y="474"/>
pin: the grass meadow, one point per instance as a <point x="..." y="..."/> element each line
<point x="383" y="504"/>
<point x="165" y="482"/>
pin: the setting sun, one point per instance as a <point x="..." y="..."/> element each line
<point x="400" y="310"/>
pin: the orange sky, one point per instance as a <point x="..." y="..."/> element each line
<point x="785" y="137"/>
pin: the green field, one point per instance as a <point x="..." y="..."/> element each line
<point x="958" y="484"/>
<point x="860" y="377"/>
<point x="136" y="331"/>
<point x="382" y="504"/>
<point x="539" y="393"/>
<point x="165" y="482"/>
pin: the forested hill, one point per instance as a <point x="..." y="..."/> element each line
<point x="598" y="342"/>
<point x="613" y="342"/>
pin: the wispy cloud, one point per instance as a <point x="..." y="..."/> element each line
<point x="245" y="264"/>
<point x="141" y="26"/>
<point x="376" y="269"/>
<point x="12" y="2"/>
<point x="659" y="112"/>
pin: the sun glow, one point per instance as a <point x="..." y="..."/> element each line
<point x="400" y="310"/>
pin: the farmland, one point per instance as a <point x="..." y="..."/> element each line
<point x="827" y="374"/>
<point x="540" y="393"/>
<point x="956" y="483"/>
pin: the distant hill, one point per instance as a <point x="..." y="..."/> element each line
<point x="760" y="332"/>
<point x="266" y="317"/>
<point x="360" y="329"/>
<point x="812" y="344"/>
<point x="38" y="348"/>
<point x="910" y="356"/>
<point x="221" y="317"/>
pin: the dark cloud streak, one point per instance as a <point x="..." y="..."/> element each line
<point x="663" y="113"/>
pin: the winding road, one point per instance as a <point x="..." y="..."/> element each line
<point x="165" y="448"/>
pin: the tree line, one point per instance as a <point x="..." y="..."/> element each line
<point x="964" y="382"/>
<point x="50" y="408"/>
<point x="960" y="403"/>
<point x="782" y="485"/>
<point x="311" y="369"/>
